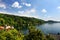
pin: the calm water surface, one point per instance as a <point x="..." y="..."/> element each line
<point x="53" y="28"/>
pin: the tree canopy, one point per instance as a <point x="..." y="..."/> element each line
<point x="19" y="22"/>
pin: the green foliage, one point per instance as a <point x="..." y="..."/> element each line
<point x="35" y="34"/>
<point x="19" y="22"/>
<point x="10" y="35"/>
<point x="49" y="37"/>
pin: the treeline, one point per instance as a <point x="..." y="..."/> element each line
<point x="19" y="22"/>
<point x="51" y="21"/>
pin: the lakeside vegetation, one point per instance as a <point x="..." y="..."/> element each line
<point x="21" y="23"/>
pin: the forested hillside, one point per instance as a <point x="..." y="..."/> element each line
<point x="19" y="22"/>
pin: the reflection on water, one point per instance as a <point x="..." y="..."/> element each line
<point x="53" y="28"/>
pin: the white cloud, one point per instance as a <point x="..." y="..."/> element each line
<point x="28" y="13"/>
<point x="44" y="11"/>
<point x="21" y="12"/>
<point x="2" y="6"/>
<point x="16" y="5"/>
<point x="33" y="10"/>
<point x="58" y="7"/>
<point x="27" y="4"/>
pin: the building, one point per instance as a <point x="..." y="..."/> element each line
<point x="6" y="27"/>
<point x="1" y="27"/>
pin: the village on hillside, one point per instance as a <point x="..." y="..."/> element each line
<point x="6" y="27"/>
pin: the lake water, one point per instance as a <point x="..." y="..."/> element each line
<point x="47" y="28"/>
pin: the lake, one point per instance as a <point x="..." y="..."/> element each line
<point x="52" y="28"/>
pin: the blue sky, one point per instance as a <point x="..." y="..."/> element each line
<point x="42" y="9"/>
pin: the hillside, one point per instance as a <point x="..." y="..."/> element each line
<point x="52" y="21"/>
<point x="19" y="22"/>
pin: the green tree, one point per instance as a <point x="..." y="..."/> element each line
<point x="11" y="35"/>
<point x="34" y="34"/>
